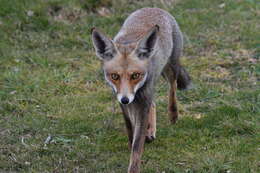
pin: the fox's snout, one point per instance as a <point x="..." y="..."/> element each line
<point x="126" y="98"/>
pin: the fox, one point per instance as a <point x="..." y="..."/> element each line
<point x="148" y="45"/>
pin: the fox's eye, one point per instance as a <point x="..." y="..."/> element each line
<point x="115" y="76"/>
<point x="135" y="76"/>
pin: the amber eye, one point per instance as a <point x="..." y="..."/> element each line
<point x="135" y="76"/>
<point x="115" y="76"/>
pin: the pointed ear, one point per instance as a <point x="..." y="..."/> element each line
<point x="104" y="46"/>
<point x="145" y="47"/>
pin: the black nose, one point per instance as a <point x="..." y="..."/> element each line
<point x="124" y="100"/>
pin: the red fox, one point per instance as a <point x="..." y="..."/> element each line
<point x="148" y="45"/>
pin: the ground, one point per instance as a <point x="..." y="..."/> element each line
<point x="58" y="115"/>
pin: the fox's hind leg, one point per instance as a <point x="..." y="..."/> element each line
<point x="172" y="107"/>
<point x="170" y="73"/>
<point x="151" y="129"/>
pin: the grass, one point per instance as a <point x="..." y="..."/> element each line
<point x="51" y="86"/>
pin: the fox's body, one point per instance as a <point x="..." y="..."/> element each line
<point x="148" y="44"/>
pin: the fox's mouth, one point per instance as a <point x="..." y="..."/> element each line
<point x="125" y="99"/>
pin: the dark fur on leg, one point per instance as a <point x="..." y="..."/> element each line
<point x="172" y="107"/>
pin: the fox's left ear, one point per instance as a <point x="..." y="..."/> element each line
<point x="145" y="47"/>
<point x="104" y="46"/>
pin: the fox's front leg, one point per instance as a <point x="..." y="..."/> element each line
<point x="137" y="147"/>
<point x="140" y="131"/>
<point x="151" y="129"/>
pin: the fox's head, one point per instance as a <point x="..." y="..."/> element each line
<point x="125" y="65"/>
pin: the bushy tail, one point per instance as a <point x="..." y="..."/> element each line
<point x="183" y="80"/>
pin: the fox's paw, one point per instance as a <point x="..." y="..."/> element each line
<point x="173" y="116"/>
<point x="149" y="139"/>
<point x="150" y="136"/>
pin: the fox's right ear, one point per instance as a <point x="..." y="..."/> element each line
<point x="104" y="46"/>
<point x="146" y="45"/>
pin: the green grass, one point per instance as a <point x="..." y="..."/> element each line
<point x="51" y="85"/>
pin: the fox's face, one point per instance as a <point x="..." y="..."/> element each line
<point x="125" y="65"/>
<point x="126" y="76"/>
